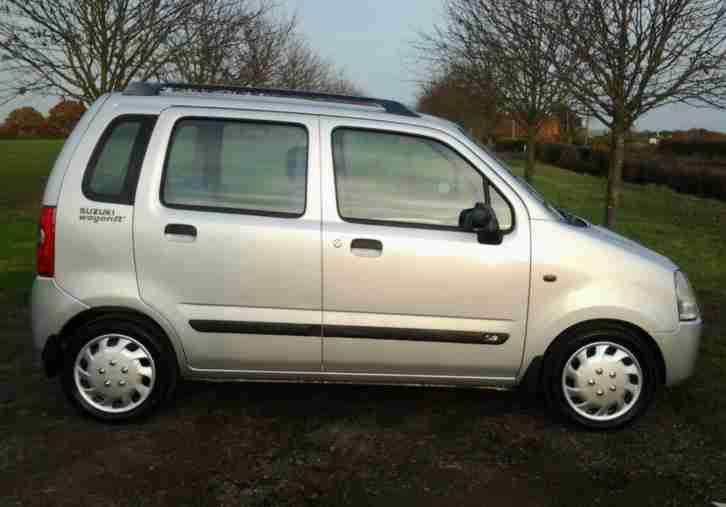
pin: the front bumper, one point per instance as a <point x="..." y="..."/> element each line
<point x="680" y="350"/>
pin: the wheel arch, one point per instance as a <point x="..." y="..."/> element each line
<point x="54" y="350"/>
<point x="648" y="340"/>
<point x="531" y="377"/>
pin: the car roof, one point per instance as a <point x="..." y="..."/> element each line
<point x="267" y="100"/>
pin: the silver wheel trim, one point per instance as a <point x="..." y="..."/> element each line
<point x="602" y="381"/>
<point x="114" y="373"/>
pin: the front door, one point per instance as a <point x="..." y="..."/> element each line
<point x="227" y="237"/>
<point x="406" y="292"/>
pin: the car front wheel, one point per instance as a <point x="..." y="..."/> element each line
<point x="601" y="377"/>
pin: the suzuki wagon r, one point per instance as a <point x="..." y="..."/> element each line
<point x="219" y="233"/>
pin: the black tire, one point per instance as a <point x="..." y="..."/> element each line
<point x="556" y="360"/>
<point x="150" y="336"/>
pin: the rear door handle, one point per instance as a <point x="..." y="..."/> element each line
<point x="363" y="247"/>
<point x="180" y="232"/>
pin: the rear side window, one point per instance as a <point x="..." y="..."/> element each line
<point x="237" y="166"/>
<point x="113" y="170"/>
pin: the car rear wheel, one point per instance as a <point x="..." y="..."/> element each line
<point x="601" y="377"/>
<point x="117" y="369"/>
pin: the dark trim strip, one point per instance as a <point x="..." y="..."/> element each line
<point x="364" y="332"/>
<point x="269" y="328"/>
<point x="421" y="335"/>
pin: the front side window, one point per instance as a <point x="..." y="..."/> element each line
<point x="237" y="166"/>
<point x="398" y="178"/>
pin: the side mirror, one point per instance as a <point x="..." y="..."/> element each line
<point x="482" y="220"/>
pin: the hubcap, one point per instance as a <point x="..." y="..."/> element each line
<point x="602" y="381"/>
<point x="114" y="373"/>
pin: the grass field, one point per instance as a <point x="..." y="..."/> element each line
<point x="286" y="444"/>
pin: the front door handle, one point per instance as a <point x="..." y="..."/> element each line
<point x="180" y="232"/>
<point x="363" y="247"/>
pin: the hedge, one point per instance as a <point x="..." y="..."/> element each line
<point x="510" y="145"/>
<point x="698" y="177"/>
<point x="709" y="149"/>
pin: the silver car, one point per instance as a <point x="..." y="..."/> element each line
<point x="243" y="234"/>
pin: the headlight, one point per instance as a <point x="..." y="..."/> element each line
<point x="687" y="304"/>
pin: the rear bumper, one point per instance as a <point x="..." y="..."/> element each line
<point x="680" y="350"/>
<point x="50" y="309"/>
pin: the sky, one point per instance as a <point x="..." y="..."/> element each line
<point x="371" y="41"/>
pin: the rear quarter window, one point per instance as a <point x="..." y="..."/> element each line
<point x="113" y="170"/>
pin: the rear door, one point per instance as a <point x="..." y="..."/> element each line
<point x="406" y="292"/>
<point x="227" y="237"/>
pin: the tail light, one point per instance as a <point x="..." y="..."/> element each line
<point x="46" y="242"/>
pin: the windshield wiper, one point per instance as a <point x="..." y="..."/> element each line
<point x="571" y="219"/>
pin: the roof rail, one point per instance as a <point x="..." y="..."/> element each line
<point x="144" y="88"/>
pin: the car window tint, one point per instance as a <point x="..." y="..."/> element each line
<point x="390" y="177"/>
<point x="237" y="166"/>
<point x="107" y="174"/>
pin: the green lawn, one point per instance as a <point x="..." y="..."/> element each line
<point x="283" y="444"/>
<point x="689" y="230"/>
<point x="24" y="166"/>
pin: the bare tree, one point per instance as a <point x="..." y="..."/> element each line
<point x="205" y="46"/>
<point x="505" y="41"/>
<point x="261" y="53"/>
<point x="570" y="122"/>
<point x="453" y="97"/>
<point x="637" y="55"/>
<point x="230" y="42"/>
<point x="248" y="44"/>
<point x="338" y="82"/>
<point x="302" y="68"/>
<point x="84" y="48"/>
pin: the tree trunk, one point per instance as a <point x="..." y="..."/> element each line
<point x="531" y="153"/>
<point x="488" y="133"/>
<point x="615" y="175"/>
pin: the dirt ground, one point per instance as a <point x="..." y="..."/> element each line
<point x="316" y="444"/>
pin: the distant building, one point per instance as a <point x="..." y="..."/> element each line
<point x="509" y="126"/>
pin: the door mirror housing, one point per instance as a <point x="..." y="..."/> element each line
<point x="482" y="220"/>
